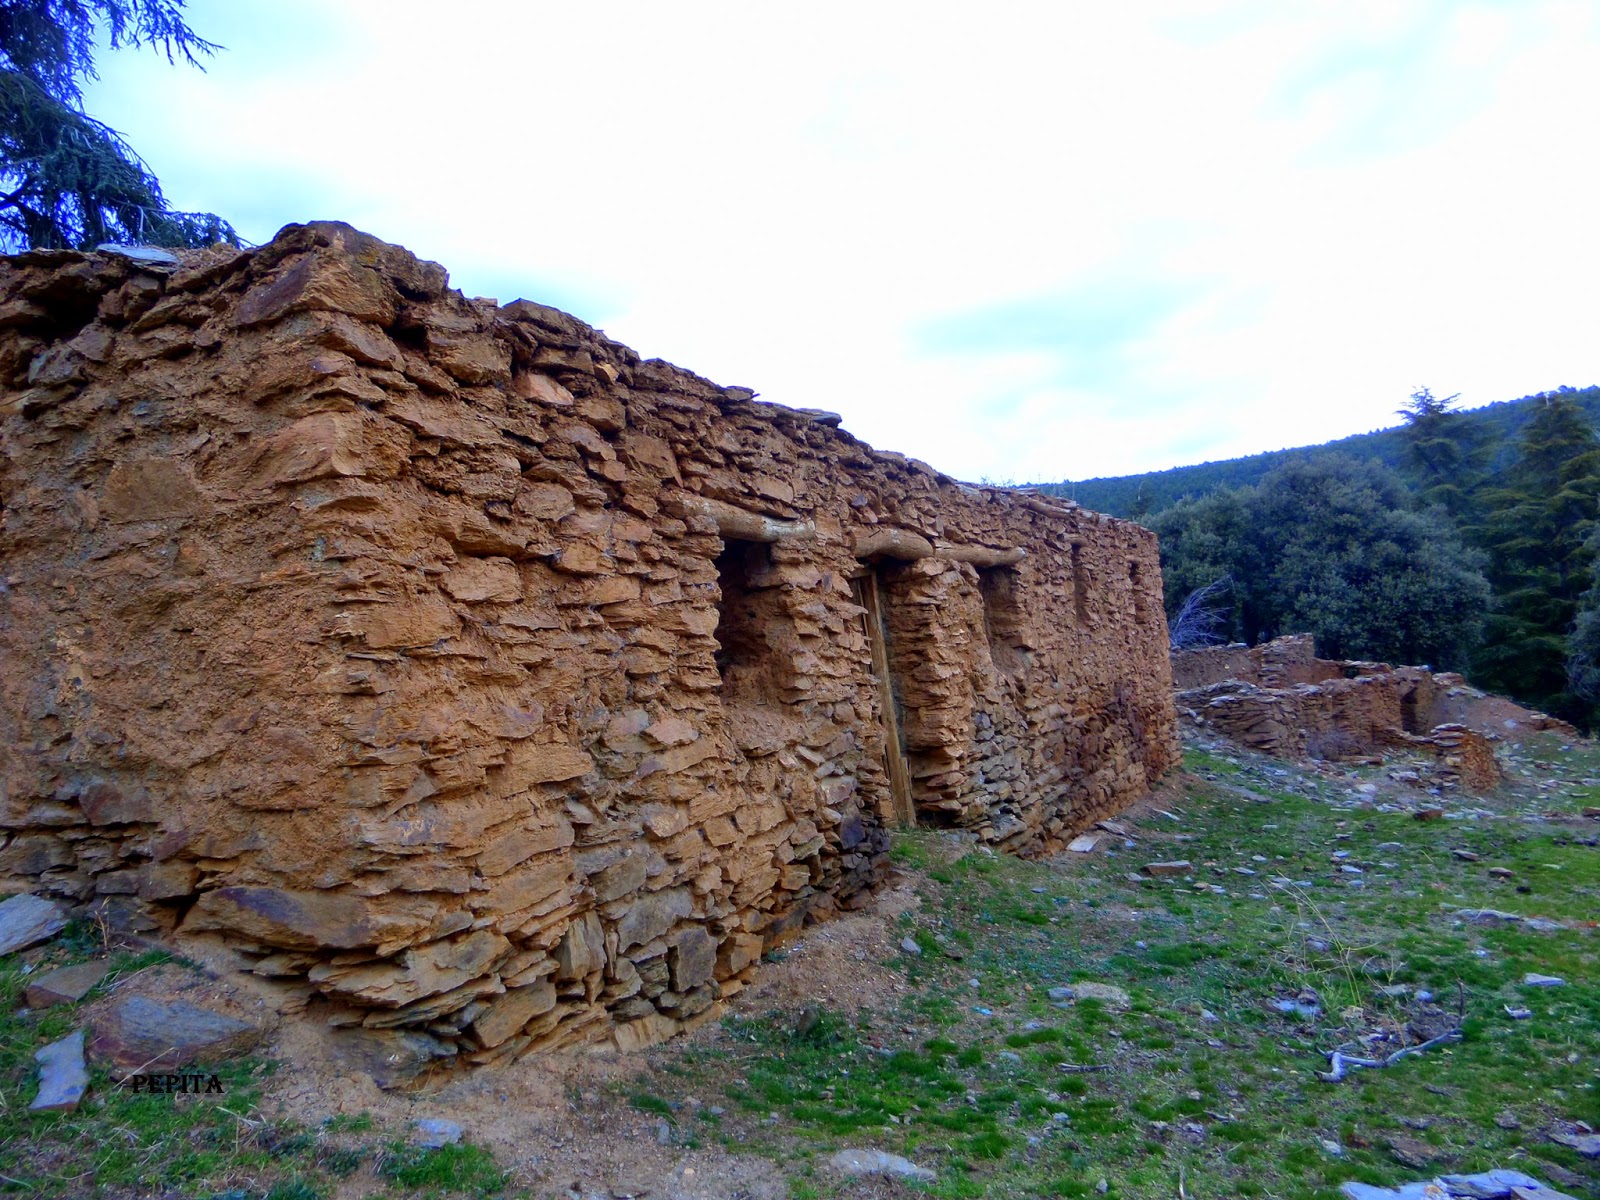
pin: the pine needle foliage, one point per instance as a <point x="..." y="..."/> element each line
<point x="68" y="180"/>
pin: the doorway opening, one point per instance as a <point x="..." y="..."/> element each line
<point x="1410" y="721"/>
<point x="869" y="594"/>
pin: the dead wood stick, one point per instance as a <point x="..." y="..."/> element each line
<point x="1338" y="1060"/>
<point x="1084" y="1068"/>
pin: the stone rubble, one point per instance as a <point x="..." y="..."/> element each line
<point x="1534" y="979"/>
<point x="1281" y="699"/>
<point x="486" y="688"/>
<point x="1177" y="866"/>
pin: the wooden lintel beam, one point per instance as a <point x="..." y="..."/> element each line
<point x="980" y="556"/>
<point x="887" y="542"/>
<point x="741" y="524"/>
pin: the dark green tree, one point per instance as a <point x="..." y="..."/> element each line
<point x="66" y="179"/>
<point x="1332" y="547"/>
<point x="1539" y="523"/>
<point x="1212" y="538"/>
<point x="1444" y="454"/>
<point x="1583" y="646"/>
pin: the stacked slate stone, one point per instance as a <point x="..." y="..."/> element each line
<point x="1280" y="699"/>
<point x="488" y="688"/>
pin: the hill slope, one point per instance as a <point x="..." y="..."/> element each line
<point x="1138" y="495"/>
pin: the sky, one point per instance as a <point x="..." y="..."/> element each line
<point x="1020" y="241"/>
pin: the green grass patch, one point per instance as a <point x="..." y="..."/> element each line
<point x="461" y="1169"/>
<point x="1201" y="1071"/>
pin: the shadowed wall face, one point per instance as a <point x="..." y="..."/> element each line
<point x="489" y="688"/>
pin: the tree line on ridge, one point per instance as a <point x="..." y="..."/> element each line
<point x="1472" y="548"/>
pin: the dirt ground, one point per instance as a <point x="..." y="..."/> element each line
<point x="561" y="1123"/>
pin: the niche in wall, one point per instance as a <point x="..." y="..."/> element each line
<point x="1002" y="618"/>
<point x="755" y="630"/>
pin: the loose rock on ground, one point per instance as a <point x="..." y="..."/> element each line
<point x="27" y="920"/>
<point x="63" y="1078"/>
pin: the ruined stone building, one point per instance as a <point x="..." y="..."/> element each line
<point x="1281" y="699"/>
<point x="486" y="686"/>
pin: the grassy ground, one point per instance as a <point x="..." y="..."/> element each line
<point x="1205" y="1083"/>
<point x="1200" y="1080"/>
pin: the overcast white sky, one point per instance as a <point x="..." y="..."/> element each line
<point x="1020" y="241"/>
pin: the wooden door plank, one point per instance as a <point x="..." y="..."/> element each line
<point x="871" y="598"/>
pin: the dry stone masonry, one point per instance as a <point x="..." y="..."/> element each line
<point x="1281" y="699"/>
<point x="486" y="687"/>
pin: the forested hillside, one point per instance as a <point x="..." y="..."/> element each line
<point x="1138" y="496"/>
<point x="1461" y="539"/>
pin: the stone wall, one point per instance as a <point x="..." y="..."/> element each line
<point x="1280" y="699"/>
<point x="1280" y="663"/>
<point x="484" y="686"/>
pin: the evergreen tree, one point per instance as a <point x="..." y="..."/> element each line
<point x="1583" y="646"/>
<point x="1538" y="527"/>
<point x="1444" y="454"/>
<point x="66" y="179"/>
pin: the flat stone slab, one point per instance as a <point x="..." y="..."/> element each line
<point x="1586" y="1144"/>
<point x="27" y="920"/>
<point x="63" y="1077"/>
<point x="1106" y="993"/>
<point x="151" y="1035"/>
<point x="1428" y="1190"/>
<point x="153" y="256"/>
<point x="66" y="985"/>
<point x="1534" y="979"/>
<point x="1488" y="1185"/>
<point x="878" y="1162"/>
<point x="434" y="1133"/>
<point x="1157" y="870"/>
<point x="1084" y="843"/>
